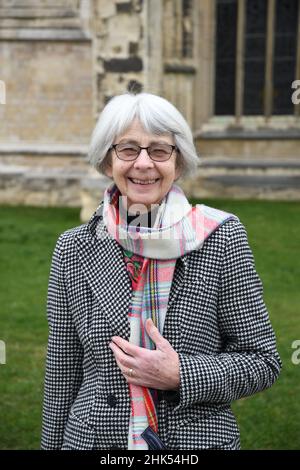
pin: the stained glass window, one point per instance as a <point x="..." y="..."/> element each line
<point x="284" y="71"/>
<point x="225" y="57"/>
<point x="254" y="58"/>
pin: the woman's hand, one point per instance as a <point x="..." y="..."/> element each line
<point x="158" y="369"/>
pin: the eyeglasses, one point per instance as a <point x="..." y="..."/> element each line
<point x="130" y="152"/>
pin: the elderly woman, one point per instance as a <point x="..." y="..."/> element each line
<point x="156" y="317"/>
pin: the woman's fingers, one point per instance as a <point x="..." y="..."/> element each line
<point x="127" y="347"/>
<point x="123" y="360"/>
<point x="149" y="368"/>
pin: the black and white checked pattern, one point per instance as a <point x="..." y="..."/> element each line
<point x="216" y="321"/>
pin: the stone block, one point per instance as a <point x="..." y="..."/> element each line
<point x="49" y="92"/>
<point x="124" y="7"/>
<point x="131" y="64"/>
<point x="105" y="9"/>
<point x="91" y="194"/>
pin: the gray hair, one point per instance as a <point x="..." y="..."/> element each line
<point x="157" y="116"/>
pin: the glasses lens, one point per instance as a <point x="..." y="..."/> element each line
<point x="127" y="151"/>
<point x="160" y="152"/>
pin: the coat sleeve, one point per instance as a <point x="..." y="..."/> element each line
<point x="64" y="357"/>
<point x="249" y="361"/>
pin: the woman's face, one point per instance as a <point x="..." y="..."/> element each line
<point x="157" y="176"/>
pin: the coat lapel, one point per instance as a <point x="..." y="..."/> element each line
<point x="178" y="279"/>
<point x="104" y="268"/>
<point x="171" y="330"/>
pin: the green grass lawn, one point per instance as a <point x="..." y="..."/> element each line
<point x="268" y="420"/>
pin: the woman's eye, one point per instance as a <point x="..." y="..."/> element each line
<point x="128" y="149"/>
<point x="159" y="150"/>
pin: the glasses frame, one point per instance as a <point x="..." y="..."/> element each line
<point x="143" y="148"/>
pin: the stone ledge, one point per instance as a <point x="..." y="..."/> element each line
<point x="91" y="183"/>
<point x="41" y="34"/>
<point x="41" y="24"/>
<point x="27" y="176"/>
<point x="26" y="148"/>
<point x="31" y="174"/>
<point x="29" y="12"/>
<point x="249" y="134"/>
<point x="261" y="181"/>
<point x="229" y="163"/>
<point x="70" y="187"/>
<point x="12" y="170"/>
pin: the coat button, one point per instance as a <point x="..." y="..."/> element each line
<point x="112" y="400"/>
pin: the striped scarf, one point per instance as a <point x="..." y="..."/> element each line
<point x="178" y="229"/>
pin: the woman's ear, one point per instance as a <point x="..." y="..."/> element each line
<point x="178" y="167"/>
<point x="108" y="171"/>
<point x="108" y="165"/>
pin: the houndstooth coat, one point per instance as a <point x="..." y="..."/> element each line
<point x="216" y="321"/>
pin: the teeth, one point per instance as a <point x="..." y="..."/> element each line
<point x="143" y="182"/>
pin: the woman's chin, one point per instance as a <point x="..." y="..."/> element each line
<point x="143" y="205"/>
<point x="142" y="201"/>
<point x="143" y="196"/>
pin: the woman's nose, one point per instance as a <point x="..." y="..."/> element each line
<point x="143" y="160"/>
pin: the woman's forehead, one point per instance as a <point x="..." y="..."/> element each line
<point x="137" y="131"/>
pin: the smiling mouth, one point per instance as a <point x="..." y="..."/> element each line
<point x="143" y="182"/>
